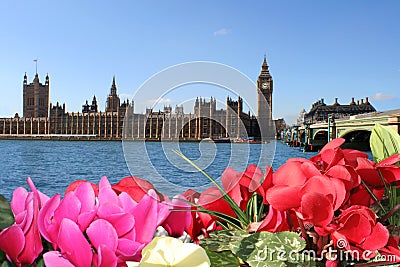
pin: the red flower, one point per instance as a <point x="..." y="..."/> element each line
<point x="241" y="186"/>
<point x="389" y="168"/>
<point x="74" y="185"/>
<point x="356" y="229"/>
<point x="212" y="199"/>
<point x="331" y="180"/>
<point x="391" y="250"/>
<point x="136" y="187"/>
<point x="300" y="186"/>
<point x="194" y="229"/>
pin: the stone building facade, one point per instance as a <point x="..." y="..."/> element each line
<point x="320" y="111"/>
<point x="41" y="118"/>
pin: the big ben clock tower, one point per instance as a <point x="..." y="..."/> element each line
<point x="265" y="88"/>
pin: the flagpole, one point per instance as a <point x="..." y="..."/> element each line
<point x="36" y="60"/>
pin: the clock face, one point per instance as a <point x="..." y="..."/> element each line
<point x="264" y="85"/>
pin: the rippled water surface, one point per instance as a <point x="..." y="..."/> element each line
<point x="53" y="165"/>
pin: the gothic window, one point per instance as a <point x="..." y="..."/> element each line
<point x="31" y="102"/>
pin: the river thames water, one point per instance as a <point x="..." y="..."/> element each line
<point x="53" y="165"/>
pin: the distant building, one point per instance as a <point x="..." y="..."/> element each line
<point x="321" y="111"/>
<point x="206" y="121"/>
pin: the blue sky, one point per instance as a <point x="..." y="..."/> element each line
<point x="315" y="49"/>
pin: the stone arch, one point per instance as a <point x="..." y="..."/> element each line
<point x="357" y="139"/>
<point x="320" y="138"/>
<point x="320" y="135"/>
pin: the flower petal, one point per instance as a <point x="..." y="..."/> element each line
<point x="378" y="238"/>
<point x="335" y="143"/>
<point x="69" y="207"/>
<point x="85" y="193"/>
<point x="55" y="259"/>
<point x="177" y="221"/>
<point x="126" y="202"/>
<point x="289" y="173"/>
<point x="275" y="221"/>
<point x="146" y="217"/>
<point x="106" y="194"/>
<point x="129" y="249"/>
<point x="168" y="251"/>
<point x="389" y="161"/>
<point x="48" y="226"/>
<point x="317" y="209"/>
<point x="33" y="241"/>
<point x="12" y="242"/>
<point x="106" y="257"/>
<point x="356" y="228"/>
<point x="102" y="232"/>
<point x="18" y="200"/>
<point x="136" y="187"/>
<point x="73" y="244"/>
<point x="283" y="197"/>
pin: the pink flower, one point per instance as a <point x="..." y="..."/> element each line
<point x="117" y="226"/>
<point x="134" y="223"/>
<point x="21" y="241"/>
<point x="78" y="206"/>
<point x="177" y="221"/>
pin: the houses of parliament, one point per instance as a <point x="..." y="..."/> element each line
<point x="44" y="120"/>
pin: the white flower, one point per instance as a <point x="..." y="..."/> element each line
<point x="169" y="251"/>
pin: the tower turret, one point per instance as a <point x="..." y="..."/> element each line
<point x="36" y="98"/>
<point x="113" y="100"/>
<point x="94" y="106"/>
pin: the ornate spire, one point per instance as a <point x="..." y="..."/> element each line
<point x="264" y="69"/>
<point x="113" y="87"/>
<point x="265" y="65"/>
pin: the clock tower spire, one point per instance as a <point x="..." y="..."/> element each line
<point x="264" y="89"/>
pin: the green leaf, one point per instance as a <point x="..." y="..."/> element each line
<point x="384" y="142"/>
<point x="6" y="215"/>
<point x="223" y="240"/>
<point x="224" y="258"/>
<point x="40" y="263"/>
<point x="7" y="264"/>
<point x="2" y="256"/>
<point x="260" y="249"/>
